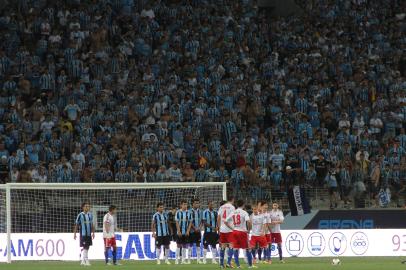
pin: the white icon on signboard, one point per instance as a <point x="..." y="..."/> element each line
<point x="316" y="243"/>
<point x="359" y="243"/>
<point x="294" y="244"/>
<point x="337" y="243"/>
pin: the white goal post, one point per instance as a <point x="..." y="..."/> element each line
<point x="51" y="209"/>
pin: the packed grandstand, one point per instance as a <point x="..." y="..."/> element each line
<point x="210" y="90"/>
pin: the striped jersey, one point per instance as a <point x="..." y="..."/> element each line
<point x="161" y="224"/>
<point x="196" y="215"/>
<point x="210" y="218"/>
<point x="85" y="222"/>
<point x="183" y="218"/>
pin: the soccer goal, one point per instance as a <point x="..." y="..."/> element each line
<point x="36" y="220"/>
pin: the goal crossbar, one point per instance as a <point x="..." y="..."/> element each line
<point x="9" y="187"/>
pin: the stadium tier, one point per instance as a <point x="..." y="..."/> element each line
<point x="110" y="107"/>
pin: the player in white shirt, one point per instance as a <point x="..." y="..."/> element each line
<point x="277" y="219"/>
<point x="268" y="228"/>
<point x="258" y="241"/>
<point x="224" y="213"/>
<point x="109" y="231"/>
<point x="242" y="225"/>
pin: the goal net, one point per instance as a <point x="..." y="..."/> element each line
<point x="47" y="209"/>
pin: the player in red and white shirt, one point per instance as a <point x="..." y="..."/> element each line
<point x="277" y="219"/>
<point x="224" y="213"/>
<point x="268" y="235"/>
<point x="109" y="230"/>
<point x="259" y="223"/>
<point x="242" y="225"/>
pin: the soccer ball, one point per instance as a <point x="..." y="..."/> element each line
<point x="335" y="261"/>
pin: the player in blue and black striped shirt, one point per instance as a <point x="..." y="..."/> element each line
<point x="211" y="236"/>
<point x="195" y="228"/>
<point x="160" y="231"/>
<point x="84" y="222"/>
<point x="182" y="219"/>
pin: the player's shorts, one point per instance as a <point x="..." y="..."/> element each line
<point x="239" y="239"/>
<point x="182" y="239"/>
<point x="162" y="241"/>
<point x="210" y="239"/>
<point x="110" y="242"/>
<point x="258" y="241"/>
<point x="225" y="238"/>
<point x="268" y="238"/>
<point x="276" y="238"/>
<point x="195" y="237"/>
<point x="86" y="241"/>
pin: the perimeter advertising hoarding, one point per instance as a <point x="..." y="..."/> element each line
<point x="141" y="246"/>
<point x="357" y="219"/>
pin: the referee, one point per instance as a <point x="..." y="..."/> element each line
<point x="160" y="231"/>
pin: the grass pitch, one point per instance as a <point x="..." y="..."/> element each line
<point x="365" y="263"/>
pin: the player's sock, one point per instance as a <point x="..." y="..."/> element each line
<point x="259" y="254"/>
<point x="166" y="253"/>
<point x="249" y="258"/>
<point x="158" y="253"/>
<point x="114" y="256"/>
<point x="205" y="253"/>
<point x="236" y="257"/>
<point x="222" y="254"/>
<point x="85" y="253"/>
<point x="82" y="256"/>
<point x="183" y="254"/>
<point x="178" y="253"/>
<point x="198" y="252"/>
<point x="254" y="252"/>
<point x="214" y="252"/>
<point x="280" y="251"/>
<point x="265" y="254"/>
<point x="230" y="253"/>
<point x="106" y="255"/>
<point x="190" y="249"/>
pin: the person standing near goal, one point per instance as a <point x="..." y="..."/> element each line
<point x="109" y="234"/>
<point x="195" y="228"/>
<point x="225" y="212"/>
<point x="277" y="219"/>
<point x="160" y="231"/>
<point x="210" y="237"/>
<point x="182" y="219"/>
<point x="84" y="222"/>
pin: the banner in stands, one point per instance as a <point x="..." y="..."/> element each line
<point x="297" y="201"/>
<point x="357" y="219"/>
<point x="141" y="246"/>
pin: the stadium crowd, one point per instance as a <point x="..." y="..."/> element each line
<point x="204" y="90"/>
